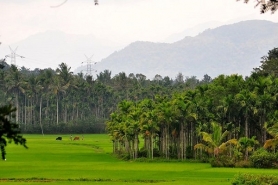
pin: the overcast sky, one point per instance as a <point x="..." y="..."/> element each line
<point x="118" y="21"/>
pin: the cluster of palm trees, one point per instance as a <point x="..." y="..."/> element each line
<point x="231" y="114"/>
<point x="52" y="101"/>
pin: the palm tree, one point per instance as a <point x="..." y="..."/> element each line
<point x="58" y="88"/>
<point x="214" y="142"/>
<point x="246" y="100"/>
<point x="273" y="131"/>
<point x="14" y="84"/>
<point x="247" y="144"/>
<point x="149" y="129"/>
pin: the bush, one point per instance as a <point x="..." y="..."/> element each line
<point x="222" y="161"/>
<point x="142" y="153"/>
<point x="189" y="152"/>
<point x="249" y="179"/>
<point x="263" y="159"/>
<point x="243" y="164"/>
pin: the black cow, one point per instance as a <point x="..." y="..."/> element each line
<point x="59" y="138"/>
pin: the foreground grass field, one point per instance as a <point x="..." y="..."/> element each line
<point x="89" y="161"/>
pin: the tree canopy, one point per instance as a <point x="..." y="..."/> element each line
<point x="9" y="131"/>
<point x="269" y="64"/>
<point x="266" y="5"/>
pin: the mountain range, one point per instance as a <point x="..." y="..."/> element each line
<point x="230" y="49"/>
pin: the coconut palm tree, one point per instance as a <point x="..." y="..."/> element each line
<point x="15" y="84"/>
<point x="214" y="142"/>
<point x="273" y="131"/>
<point x="247" y="145"/>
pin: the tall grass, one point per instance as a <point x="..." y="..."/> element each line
<point x="90" y="161"/>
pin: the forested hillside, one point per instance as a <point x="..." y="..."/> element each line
<point x="215" y="51"/>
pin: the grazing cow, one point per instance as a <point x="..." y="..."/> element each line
<point x="59" y="138"/>
<point x="76" y="138"/>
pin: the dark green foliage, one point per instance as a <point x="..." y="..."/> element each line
<point x="189" y="152"/>
<point x="9" y="131"/>
<point x="269" y="64"/>
<point x="267" y="5"/>
<point x="222" y="161"/>
<point x="264" y="159"/>
<point x="143" y="153"/>
<point x="243" y="164"/>
<point x="250" y="179"/>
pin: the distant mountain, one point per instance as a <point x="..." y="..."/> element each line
<point x="192" y="32"/>
<point x="229" y="49"/>
<point x="50" y="48"/>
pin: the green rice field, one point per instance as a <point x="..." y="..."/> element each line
<point x="90" y="161"/>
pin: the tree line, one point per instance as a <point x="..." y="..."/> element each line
<point x="58" y="101"/>
<point x="230" y="115"/>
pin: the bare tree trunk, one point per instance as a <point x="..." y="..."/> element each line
<point x="136" y="146"/>
<point x="25" y="107"/>
<point x="246" y="126"/>
<point x="57" y="110"/>
<point x="17" y="107"/>
<point x="41" y="115"/>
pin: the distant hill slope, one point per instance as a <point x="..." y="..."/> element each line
<point x="50" y="48"/>
<point x="229" y="49"/>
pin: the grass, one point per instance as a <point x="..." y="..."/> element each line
<point x="90" y="161"/>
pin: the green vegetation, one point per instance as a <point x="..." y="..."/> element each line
<point x="9" y="131"/>
<point x="57" y="101"/>
<point x="91" y="160"/>
<point x="250" y="179"/>
<point x="228" y="118"/>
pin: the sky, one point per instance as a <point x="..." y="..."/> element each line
<point x="119" y="22"/>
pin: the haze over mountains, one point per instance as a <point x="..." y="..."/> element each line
<point x="229" y="49"/>
<point x="50" y="48"/>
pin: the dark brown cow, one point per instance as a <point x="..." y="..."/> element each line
<point x="76" y="138"/>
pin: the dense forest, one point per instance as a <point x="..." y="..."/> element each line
<point x="57" y="101"/>
<point x="180" y="118"/>
<point x="230" y="114"/>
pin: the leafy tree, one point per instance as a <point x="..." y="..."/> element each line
<point x="269" y="5"/>
<point x="214" y="142"/>
<point x="269" y="64"/>
<point x="247" y="144"/>
<point x="272" y="143"/>
<point x="9" y="131"/>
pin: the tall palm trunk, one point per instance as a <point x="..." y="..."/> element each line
<point x="17" y="106"/>
<point x="57" y="104"/>
<point x="246" y="125"/>
<point x="41" y="115"/>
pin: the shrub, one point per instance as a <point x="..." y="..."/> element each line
<point x="143" y="153"/>
<point x="156" y="152"/>
<point x="222" y="161"/>
<point x="243" y="164"/>
<point x="189" y="152"/>
<point x="263" y="159"/>
<point x="249" y="179"/>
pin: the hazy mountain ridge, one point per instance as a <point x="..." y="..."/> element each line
<point x="50" y="48"/>
<point x="229" y="49"/>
